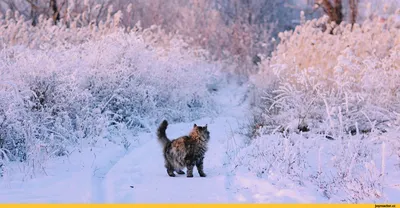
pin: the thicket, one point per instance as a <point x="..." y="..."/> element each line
<point x="326" y="109"/>
<point x="63" y="87"/>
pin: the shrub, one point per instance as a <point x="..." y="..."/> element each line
<point x="95" y="87"/>
<point x="333" y="83"/>
<point x="326" y="107"/>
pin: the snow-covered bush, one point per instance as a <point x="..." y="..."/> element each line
<point x="225" y="28"/>
<point x="357" y="169"/>
<point x="372" y="8"/>
<point x="68" y="92"/>
<point x="333" y="83"/>
<point x="16" y="30"/>
<point x="327" y="106"/>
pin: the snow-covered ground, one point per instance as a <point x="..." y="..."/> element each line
<point x="322" y="112"/>
<point x="107" y="173"/>
<point x="110" y="174"/>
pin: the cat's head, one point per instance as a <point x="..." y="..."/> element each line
<point x="201" y="132"/>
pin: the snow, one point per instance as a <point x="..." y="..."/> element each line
<point x="146" y="181"/>
<point x="103" y="108"/>
<point x="67" y="179"/>
<point x="108" y="173"/>
<point x="263" y="191"/>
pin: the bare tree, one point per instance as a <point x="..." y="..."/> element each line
<point x="334" y="10"/>
<point x="34" y="11"/>
<point x="56" y="12"/>
<point x="353" y="11"/>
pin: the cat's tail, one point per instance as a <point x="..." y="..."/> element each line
<point x="161" y="135"/>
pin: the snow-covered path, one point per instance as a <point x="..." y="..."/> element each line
<point x="108" y="173"/>
<point x="112" y="175"/>
<point x="140" y="177"/>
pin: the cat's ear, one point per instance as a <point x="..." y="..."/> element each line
<point x="205" y="127"/>
<point x="194" y="126"/>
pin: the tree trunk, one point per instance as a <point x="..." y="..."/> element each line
<point x="56" y="12"/>
<point x="34" y="12"/>
<point x="333" y="11"/>
<point x="353" y="11"/>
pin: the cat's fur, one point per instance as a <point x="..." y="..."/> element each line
<point x="185" y="151"/>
